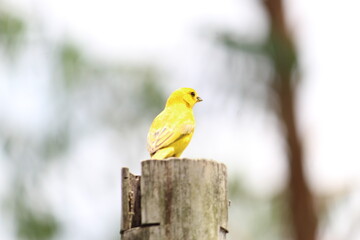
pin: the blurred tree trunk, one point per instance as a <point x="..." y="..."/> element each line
<point x="282" y="54"/>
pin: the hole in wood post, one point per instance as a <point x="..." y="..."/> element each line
<point x="222" y="233"/>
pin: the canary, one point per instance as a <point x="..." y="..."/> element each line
<point x="172" y="129"/>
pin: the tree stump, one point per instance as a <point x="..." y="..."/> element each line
<point x="176" y="199"/>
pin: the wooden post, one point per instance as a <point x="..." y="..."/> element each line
<point x="181" y="199"/>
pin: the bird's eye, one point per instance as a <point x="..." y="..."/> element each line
<point x="192" y="94"/>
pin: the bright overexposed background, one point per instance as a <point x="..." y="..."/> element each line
<point x="171" y="44"/>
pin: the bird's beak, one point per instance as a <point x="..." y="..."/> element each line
<point x="199" y="99"/>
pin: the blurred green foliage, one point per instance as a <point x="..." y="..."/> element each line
<point x="33" y="220"/>
<point x="262" y="217"/>
<point x="34" y="225"/>
<point x="71" y="62"/>
<point x="151" y="99"/>
<point x="281" y="53"/>
<point x="86" y="94"/>
<point x="12" y="30"/>
<point x="55" y="143"/>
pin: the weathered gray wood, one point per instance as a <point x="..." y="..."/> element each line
<point x="182" y="199"/>
<point x="131" y="213"/>
<point x="125" y="185"/>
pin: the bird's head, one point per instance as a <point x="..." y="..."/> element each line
<point x="186" y="96"/>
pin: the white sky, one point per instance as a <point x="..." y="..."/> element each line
<point x="172" y="35"/>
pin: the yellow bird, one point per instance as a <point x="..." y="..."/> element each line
<point x="172" y="129"/>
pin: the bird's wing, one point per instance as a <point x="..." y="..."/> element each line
<point x="166" y="130"/>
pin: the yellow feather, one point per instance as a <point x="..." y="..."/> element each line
<point x="172" y="129"/>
